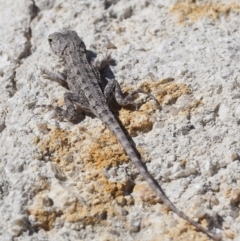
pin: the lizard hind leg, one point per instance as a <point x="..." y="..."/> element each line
<point x="114" y="87"/>
<point x="71" y="98"/>
<point x="102" y="62"/>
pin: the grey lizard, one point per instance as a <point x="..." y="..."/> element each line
<point x="84" y="82"/>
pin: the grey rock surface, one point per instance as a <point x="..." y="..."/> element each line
<point x="66" y="181"/>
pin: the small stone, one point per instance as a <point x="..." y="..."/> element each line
<point x="223" y="112"/>
<point x="20" y="224"/>
<point x="43" y="127"/>
<point x="68" y="158"/>
<point x="96" y="202"/>
<point x="121" y="201"/>
<point x="47" y="202"/>
<point x="233" y="155"/>
<point x="229" y="234"/>
<point x="237" y="111"/>
<point x="199" y="213"/>
<point x="135" y="226"/>
<point x="214" y="201"/>
<point x="235" y="196"/>
<point x="215" y="186"/>
<point x="110" y="45"/>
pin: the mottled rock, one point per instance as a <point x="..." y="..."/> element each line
<point x="60" y="180"/>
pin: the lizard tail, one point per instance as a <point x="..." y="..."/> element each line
<point x="110" y="121"/>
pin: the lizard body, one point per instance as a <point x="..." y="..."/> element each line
<point x="83" y="81"/>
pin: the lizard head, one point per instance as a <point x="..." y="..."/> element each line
<point x="61" y="43"/>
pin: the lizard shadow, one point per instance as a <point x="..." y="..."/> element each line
<point x="105" y="73"/>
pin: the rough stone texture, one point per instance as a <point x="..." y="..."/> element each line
<point x="65" y="181"/>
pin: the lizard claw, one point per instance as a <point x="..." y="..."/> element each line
<point x="44" y="72"/>
<point x="136" y="106"/>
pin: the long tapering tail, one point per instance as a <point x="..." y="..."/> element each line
<point x="110" y="121"/>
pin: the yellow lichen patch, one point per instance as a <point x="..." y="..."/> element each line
<point x="192" y="107"/>
<point x="115" y="189"/>
<point x="57" y="140"/>
<point x="135" y="122"/>
<point x="97" y="149"/>
<point x="143" y="193"/>
<point x="73" y="211"/>
<point x="167" y="92"/>
<point x="45" y="216"/>
<point x="186" y="232"/>
<point x="180" y="229"/>
<point x="45" y="219"/>
<point x="58" y="147"/>
<point x="105" y="151"/>
<point x="103" y="185"/>
<point x="228" y="193"/>
<point x="195" y="10"/>
<point x="87" y="214"/>
<point x="229" y="234"/>
<point x="99" y="152"/>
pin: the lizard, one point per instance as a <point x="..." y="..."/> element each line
<point x="84" y="83"/>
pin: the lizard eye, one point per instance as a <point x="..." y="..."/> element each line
<point x="50" y="40"/>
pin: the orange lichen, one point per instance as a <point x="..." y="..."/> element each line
<point x="57" y="146"/>
<point x="195" y="10"/>
<point x="103" y="185"/>
<point x="228" y="193"/>
<point x="45" y="215"/>
<point x="106" y="152"/>
<point x="135" y="122"/>
<point x="165" y="90"/>
<point x="192" y="107"/>
<point x="103" y="152"/>
<point x="86" y="214"/>
<point x="186" y="232"/>
<point x="72" y="212"/>
<point x="45" y="219"/>
<point x="144" y="193"/>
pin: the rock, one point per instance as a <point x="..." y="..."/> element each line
<point x="60" y="179"/>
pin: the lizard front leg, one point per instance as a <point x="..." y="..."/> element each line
<point x="61" y="78"/>
<point x="69" y="98"/>
<point x="70" y="112"/>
